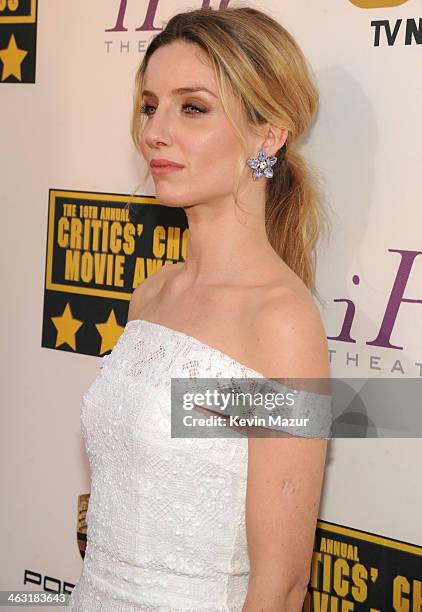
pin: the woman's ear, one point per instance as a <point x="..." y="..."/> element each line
<point x="274" y="139"/>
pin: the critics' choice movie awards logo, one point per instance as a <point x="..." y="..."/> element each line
<point x="98" y="252"/>
<point x="18" y="35"/>
<point x="81" y="525"/>
<point x="142" y="18"/>
<point x="357" y="570"/>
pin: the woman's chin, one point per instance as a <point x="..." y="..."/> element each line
<point x="169" y="198"/>
<point x="170" y="201"/>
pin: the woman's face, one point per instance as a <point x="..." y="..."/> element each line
<point x="188" y="128"/>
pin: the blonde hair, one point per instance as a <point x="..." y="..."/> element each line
<point x="259" y="62"/>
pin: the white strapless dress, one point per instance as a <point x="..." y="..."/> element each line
<point x="166" y="516"/>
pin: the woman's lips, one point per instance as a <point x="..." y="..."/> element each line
<point x="164" y="169"/>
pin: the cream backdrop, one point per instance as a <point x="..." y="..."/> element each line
<point x="70" y="130"/>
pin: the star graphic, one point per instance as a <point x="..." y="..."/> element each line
<point x="12" y="58"/>
<point x="110" y="332"/>
<point x="66" y="327"/>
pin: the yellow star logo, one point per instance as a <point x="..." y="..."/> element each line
<point x="66" y="327"/>
<point x="12" y="58"/>
<point x="110" y="332"/>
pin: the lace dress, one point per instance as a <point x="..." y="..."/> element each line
<point x="166" y="516"/>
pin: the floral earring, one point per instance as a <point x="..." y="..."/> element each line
<point x="262" y="165"/>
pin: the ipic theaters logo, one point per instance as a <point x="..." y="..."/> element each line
<point x="18" y="33"/>
<point x="132" y="16"/>
<point x="396" y="299"/>
<point x="124" y="9"/>
<point x="98" y="251"/>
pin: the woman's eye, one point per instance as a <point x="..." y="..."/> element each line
<point x="197" y="109"/>
<point x="144" y="107"/>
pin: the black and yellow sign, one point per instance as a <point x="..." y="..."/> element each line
<point x="18" y="38"/>
<point x="358" y="570"/>
<point x="98" y="251"/>
<point x="81" y="527"/>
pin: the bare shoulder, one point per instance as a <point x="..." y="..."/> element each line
<point x="289" y="335"/>
<point x="149" y="288"/>
<point x="285" y="476"/>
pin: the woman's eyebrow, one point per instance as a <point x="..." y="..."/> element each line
<point x="180" y="90"/>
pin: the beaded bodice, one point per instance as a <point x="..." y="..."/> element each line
<point x="166" y="516"/>
<point x="166" y="525"/>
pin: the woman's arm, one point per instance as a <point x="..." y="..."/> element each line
<point x="285" y="475"/>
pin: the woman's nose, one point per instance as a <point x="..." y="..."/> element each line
<point x="159" y="127"/>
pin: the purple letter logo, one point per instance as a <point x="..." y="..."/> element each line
<point x="393" y="305"/>
<point x="148" y="24"/>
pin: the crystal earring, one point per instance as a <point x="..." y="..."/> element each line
<point x="262" y="165"/>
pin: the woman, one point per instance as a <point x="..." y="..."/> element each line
<point x="178" y="524"/>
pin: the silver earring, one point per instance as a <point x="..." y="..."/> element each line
<point x="262" y="165"/>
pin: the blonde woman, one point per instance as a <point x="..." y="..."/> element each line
<point x="177" y="525"/>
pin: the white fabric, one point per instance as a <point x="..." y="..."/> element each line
<point x="166" y="516"/>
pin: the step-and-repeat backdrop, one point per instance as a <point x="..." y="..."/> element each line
<point x="72" y="256"/>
